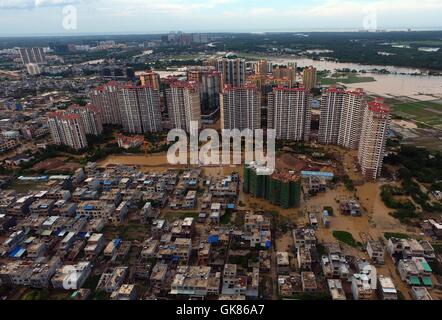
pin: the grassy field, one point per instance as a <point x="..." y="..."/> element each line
<point x="427" y="113"/>
<point x="346" y="237"/>
<point x="351" y="78"/>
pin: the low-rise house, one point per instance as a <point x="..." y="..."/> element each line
<point x="335" y="265"/>
<point x="190" y="201"/>
<point x="94" y="246"/>
<point x="386" y="288"/>
<point x="112" y="279"/>
<point x="336" y="290"/>
<point x="42" y="272"/>
<point x="159" y="227"/>
<point x="183" y="228"/>
<point x="204" y="251"/>
<point x="16" y="273"/>
<point x="150" y="249"/>
<point x="191" y="281"/>
<point x="158" y="277"/>
<point x="415" y="272"/>
<point x="126" y="292"/>
<point x="42" y="207"/>
<point x="420" y="293"/>
<point x="7" y="222"/>
<point x="351" y="208"/>
<point x="309" y="282"/>
<point x="97" y="210"/>
<point x="409" y="248"/>
<point x="21" y="206"/>
<point x="304" y="259"/>
<point x="290" y="285"/>
<point x="304" y="237"/>
<point x="361" y="287"/>
<point x="375" y="251"/>
<point x="64" y="208"/>
<point x="283" y="262"/>
<point x="71" y="277"/>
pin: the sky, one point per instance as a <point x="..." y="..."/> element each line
<point x="75" y="17"/>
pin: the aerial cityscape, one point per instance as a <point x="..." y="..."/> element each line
<point x="219" y="166"/>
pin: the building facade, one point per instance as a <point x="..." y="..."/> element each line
<point x="233" y="71"/>
<point x="105" y="98"/>
<point x="184" y="104"/>
<point x="374" y="138"/>
<point x="140" y="109"/>
<point x="341" y="117"/>
<point x="67" y="129"/>
<point x="91" y="117"/>
<point x="309" y="78"/>
<point x="289" y="113"/>
<point x="241" y="108"/>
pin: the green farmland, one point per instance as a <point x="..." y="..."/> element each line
<point x="425" y="113"/>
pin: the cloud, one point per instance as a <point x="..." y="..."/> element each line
<point x="174" y="7"/>
<point x="31" y="4"/>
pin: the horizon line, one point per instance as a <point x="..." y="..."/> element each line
<point x="313" y="30"/>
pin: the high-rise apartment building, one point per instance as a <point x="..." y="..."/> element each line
<point x="341" y="117"/>
<point x="32" y="55"/>
<point x="210" y="85"/>
<point x="288" y="72"/>
<point x="332" y="103"/>
<point x="233" y="71"/>
<point x="184" y="104"/>
<point x="289" y="113"/>
<point x="90" y="115"/>
<point x="140" y="109"/>
<point x="105" y="98"/>
<point x="150" y="79"/>
<point x="67" y="129"/>
<point x="374" y="138"/>
<point x="309" y="78"/>
<point x="241" y="108"/>
<point x="355" y="103"/>
<point x="263" y="67"/>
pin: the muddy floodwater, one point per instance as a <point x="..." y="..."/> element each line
<point x="400" y="82"/>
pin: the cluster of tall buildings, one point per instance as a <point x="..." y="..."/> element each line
<point x="349" y="120"/>
<point x="269" y="96"/>
<point x="71" y="127"/>
<point x="136" y="108"/>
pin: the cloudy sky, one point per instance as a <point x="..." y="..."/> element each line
<point x="45" y="17"/>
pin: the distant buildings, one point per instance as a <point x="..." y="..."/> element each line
<point x="32" y="55"/>
<point x="67" y="129"/>
<point x="289" y="113"/>
<point x="140" y="109"/>
<point x="183" y="102"/>
<point x="241" y="108"/>
<point x="374" y="138"/>
<point x="233" y="71"/>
